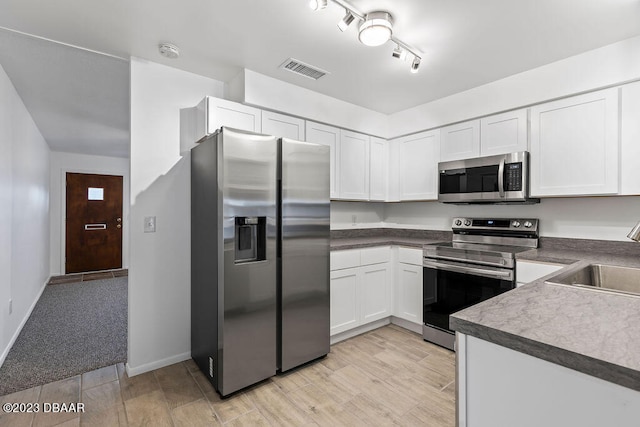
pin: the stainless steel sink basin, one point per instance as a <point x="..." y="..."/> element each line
<point x="604" y="277"/>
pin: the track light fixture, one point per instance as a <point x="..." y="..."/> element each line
<point x="375" y="29"/>
<point x="346" y="21"/>
<point x="399" y="52"/>
<point x="317" y="4"/>
<point x="415" y="64"/>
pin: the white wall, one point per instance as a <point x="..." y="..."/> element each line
<point x="345" y="215"/>
<point x="24" y="213"/>
<point x="603" y="218"/>
<point x="609" y="65"/>
<point x="266" y="92"/>
<point x="160" y="265"/>
<point x="61" y="163"/>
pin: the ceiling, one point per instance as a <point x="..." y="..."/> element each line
<point x="464" y="44"/>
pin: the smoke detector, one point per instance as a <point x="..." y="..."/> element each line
<point x="169" y="50"/>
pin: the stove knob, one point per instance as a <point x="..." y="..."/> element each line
<point x="458" y="222"/>
<point x="527" y="224"/>
<point x="467" y="222"/>
<point x="515" y="224"/>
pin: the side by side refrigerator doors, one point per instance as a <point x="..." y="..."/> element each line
<point x="304" y="274"/>
<point x="247" y="304"/>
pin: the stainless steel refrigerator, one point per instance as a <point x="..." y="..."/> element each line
<point x="259" y="256"/>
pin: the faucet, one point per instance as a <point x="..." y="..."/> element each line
<point x="635" y="233"/>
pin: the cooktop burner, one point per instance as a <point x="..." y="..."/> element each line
<point x="480" y="247"/>
<point x="488" y="241"/>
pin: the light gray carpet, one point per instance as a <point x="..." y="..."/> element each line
<point x="74" y="328"/>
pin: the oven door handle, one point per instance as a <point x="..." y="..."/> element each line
<point x="475" y="271"/>
<point x="501" y="178"/>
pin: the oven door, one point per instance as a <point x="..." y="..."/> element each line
<point x="450" y="286"/>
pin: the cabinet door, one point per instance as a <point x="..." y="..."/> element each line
<point x="409" y="293"/>
<point x="282" y="126"/>
<point x="345" y="307"/>
<point x="527" y="272"/>
<point x="221" y="112"/>
<point x="375" y="295"/>
<point x="460" y="141"/>
<point x="327" y="135"/>
<point x="504" y="133"/>
<point x="418" y="165"/>
<point x="354" y="165"/>
<point x="574" y="145"/>
<point x="378" y="169"/>
<point x="629" y="140"/>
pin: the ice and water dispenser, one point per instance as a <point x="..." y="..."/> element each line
<point x="251" y="238"/>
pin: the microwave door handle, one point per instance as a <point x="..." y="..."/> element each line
<point x="501" y="178"/>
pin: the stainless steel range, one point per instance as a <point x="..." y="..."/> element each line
<point x="478" y="264"/>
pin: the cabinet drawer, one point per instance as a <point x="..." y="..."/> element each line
<point x="410" y="256"/>
<point x="375" y="255"/>
<point x="345" y="259"/>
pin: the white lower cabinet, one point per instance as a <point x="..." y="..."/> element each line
<point x="409" y="293"/>
<point x="376" y="292"/>
<point x="528" y="271"/>
<point x="360" y="287"/>
<point x="345" y="309"/>
<point x="408" y="286"/>
<point x="498" y="386"/>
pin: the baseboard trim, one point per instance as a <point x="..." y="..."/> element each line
<point x="413" y="327"/>
<point x="5" y="353"/>
<point x="132" y="371"/>
<point x="359" y="330"/>
<point x="406" y="324"/>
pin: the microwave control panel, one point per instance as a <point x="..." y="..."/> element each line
<point x="513" y="176"/>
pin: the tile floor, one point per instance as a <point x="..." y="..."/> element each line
<point x="388" y="376"/>
<point x="83" y="277"/>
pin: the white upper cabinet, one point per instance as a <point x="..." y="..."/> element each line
<point x="354" y="165"/>
<point x="504" y="133"/>
<point x="574" y="146"/>
<point x="378" y="166"/>
<point x="630" y="140"/>
<point x="211" y="114"/>
<point x="327" y="135"/>
<point x="221" y="112"/>
<point x="417" y="157"/>
<point x="283" y="126"/>
<point x="460" y="141"/>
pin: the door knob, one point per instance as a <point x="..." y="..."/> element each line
<point x="119" y="219"/>
<point x="119" y="226"/>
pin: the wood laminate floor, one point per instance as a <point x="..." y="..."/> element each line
<point x="388" y="376"/>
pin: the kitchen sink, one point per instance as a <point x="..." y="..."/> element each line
<point x="603" y="277"/>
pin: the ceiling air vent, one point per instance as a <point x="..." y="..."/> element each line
<point x="303" y="69"/>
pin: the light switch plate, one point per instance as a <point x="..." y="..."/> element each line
<point x="149" y="224"/>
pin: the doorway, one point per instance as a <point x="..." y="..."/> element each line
<point x="93" y="226"/>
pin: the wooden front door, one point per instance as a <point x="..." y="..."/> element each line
<point x="94" y="222"/>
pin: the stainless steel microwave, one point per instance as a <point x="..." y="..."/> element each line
<point x="492" y="179"/>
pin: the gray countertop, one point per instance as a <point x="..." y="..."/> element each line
<point x="590" y="331"/>
<point x="364" y="238"/>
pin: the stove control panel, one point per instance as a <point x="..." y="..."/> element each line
<point x="505" y="224"/>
